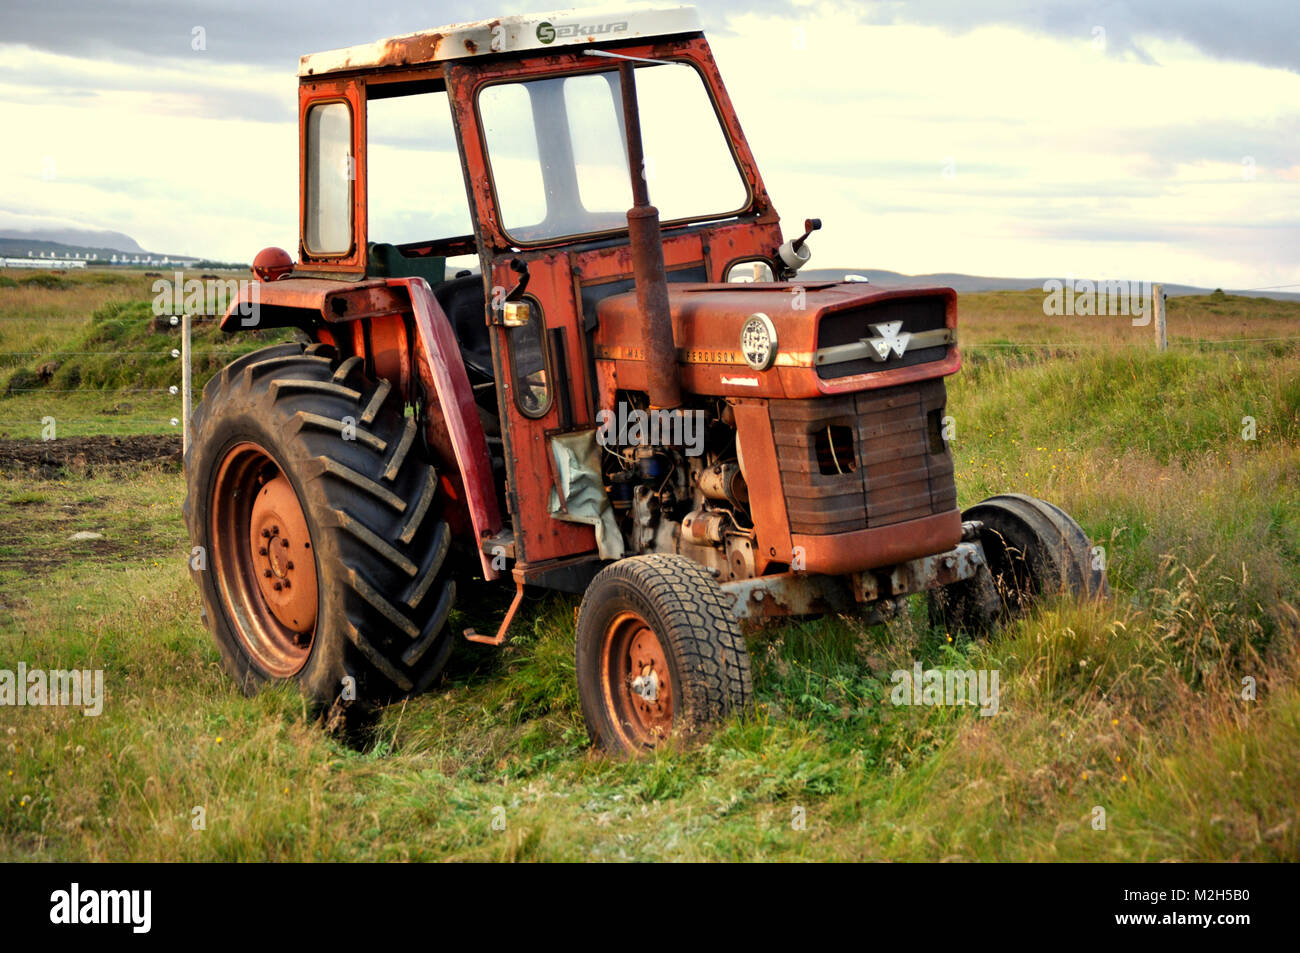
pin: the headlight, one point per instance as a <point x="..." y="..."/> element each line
<point x="758" y="341"/>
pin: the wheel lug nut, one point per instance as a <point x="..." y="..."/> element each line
<point x="266" y="534"/>
<point x="284" y="543"/>
<point x="266" y="573"/>
<point x="261" y="551"/>
<point x="275" y="531"/>
<point x="277" y="587"/>
<point x="286" y="584"/>
<point x="289" y="564"/>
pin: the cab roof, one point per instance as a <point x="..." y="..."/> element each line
<point x="486" y="38"/>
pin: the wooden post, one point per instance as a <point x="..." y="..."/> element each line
<point x="1158" y="313"/>
<point x="185" y="382"/>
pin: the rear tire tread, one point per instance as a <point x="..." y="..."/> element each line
<point x="375" y="534"/>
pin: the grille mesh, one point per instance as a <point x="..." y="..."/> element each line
<point x="902" y="471"/>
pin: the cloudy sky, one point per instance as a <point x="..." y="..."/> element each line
<point x="1132" y="138"/>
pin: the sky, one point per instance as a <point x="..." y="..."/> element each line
<point x="1151" y="140"/>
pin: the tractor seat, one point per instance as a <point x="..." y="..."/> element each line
<point x="462" y="301"/>
<point x="387" y="261"/>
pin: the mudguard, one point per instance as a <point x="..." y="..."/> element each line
<point x="380" y="309"/>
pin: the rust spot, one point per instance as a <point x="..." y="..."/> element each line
<point x="471" y="46"/>
<point x="409" y="50"/>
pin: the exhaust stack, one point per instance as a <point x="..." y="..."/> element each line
<point x="662" y="379"/>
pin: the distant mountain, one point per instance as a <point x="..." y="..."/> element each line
<point x="25" y="247"/>
<point x="77" y="238"/>
<point x="972" y="283"/>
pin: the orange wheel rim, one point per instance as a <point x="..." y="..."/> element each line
<point x="264" y="561"/>
<point x="637" y="681"/>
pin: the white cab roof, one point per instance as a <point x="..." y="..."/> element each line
<point x="536" y="31"/>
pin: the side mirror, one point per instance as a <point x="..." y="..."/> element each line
<point x="747" y="271"/>
<point x="795" y="254"/>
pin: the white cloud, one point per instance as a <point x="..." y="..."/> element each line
<point x="1044" y="138"/>
<point x="145" y="151"/>
<point x="1062" y="158"/>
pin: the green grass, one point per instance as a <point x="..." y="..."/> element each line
<point x="1134" y="707"/>
<point x="110" y="369"/>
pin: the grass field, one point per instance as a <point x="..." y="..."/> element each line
<point x="1135" y="707"/>
<point x="109" y="370"/>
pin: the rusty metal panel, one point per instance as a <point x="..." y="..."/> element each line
<point x="505" y="35"/>
<point x="707" y="322"/>
<point x="789" y="594"/>
<point x="320" y="299"/>
<point x="801" y="593"/>
<point x="444" y="376"/>
<point x="767" y="503"/>
<point x="930" y="572"/>
<point x="863" y="460"/>
<point x="882" y="546"/>
<point x="529" y="462"/>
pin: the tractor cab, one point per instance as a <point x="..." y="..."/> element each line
<point x="491" y="160"/>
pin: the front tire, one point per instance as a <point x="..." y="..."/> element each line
<point x="658" y="654"/>
<point x="1032" y="549"/>
<point x="316" y="512"/>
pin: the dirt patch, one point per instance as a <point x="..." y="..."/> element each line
<point x="51" y="456"/>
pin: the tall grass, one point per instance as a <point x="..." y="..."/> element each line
<point x="1171" y="713"/>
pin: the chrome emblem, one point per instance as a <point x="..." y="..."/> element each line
<point x="890" y="340"/>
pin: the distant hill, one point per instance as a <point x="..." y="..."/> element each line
<point x="971" y="283"/>
<point x="77" y="238"/>
<point x="71" y="242"/>
<point x="38" y="248"/>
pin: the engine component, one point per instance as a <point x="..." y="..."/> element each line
<point x="724" y="481"/>
<point x="704" y="527"/>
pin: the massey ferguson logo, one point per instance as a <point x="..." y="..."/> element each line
<point x="550" y="32"/>
<point x="890" y="340"/>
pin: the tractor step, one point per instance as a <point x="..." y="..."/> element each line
<point x="500" y="637"/>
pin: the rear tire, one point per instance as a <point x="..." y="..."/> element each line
<point x="1033" y="549"/>
<point x="658" y="654"/>
<point x="374" y="547"/>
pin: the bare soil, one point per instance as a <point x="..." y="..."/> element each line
<point x="88" y="453"/>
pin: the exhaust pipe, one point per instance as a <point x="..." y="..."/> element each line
<point x="662" y="380"/>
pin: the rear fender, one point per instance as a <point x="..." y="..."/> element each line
<point x="401" y="330"/>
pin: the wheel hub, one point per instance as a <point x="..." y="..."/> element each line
<point x="280" y="547"/>
<point x="647" y="686"/>
<point x="639" y="687"/>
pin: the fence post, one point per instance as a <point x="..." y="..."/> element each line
<point x="1158" y="306"/>
<point x="185" y="381"/>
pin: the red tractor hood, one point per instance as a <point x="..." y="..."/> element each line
<point x="809" y="319"/>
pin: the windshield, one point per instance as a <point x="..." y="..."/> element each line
<point x="559" y="154"/>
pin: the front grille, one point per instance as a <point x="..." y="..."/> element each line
<point x="919" y="314"/>
<point x="863" y="460"/>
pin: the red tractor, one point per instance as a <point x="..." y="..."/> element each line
<point x="574" y="390"/>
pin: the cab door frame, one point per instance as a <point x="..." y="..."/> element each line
<point x="530" y="473"/>
<point x="319" y="92"/>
